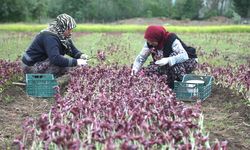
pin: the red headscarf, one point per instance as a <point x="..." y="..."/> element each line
<point x="157" y="34"/>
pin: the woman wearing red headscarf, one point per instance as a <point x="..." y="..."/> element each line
<point x="172" y="56"/>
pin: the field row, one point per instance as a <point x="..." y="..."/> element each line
<point x="129" y="28"/>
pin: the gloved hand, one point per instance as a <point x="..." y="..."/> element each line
<point x="81" y="62"/>
<point x="163" y="61"/>
<point x="84" y="56"/>
<point x="134" y="72"/>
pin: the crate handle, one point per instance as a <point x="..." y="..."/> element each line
<point x="37" y="76"/>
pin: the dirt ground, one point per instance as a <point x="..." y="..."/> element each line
<point x="220" y="20"/>
<point x="226" y="116"/>
<point x="15" y="106"/>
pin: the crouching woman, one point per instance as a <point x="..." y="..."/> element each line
<point x="169" y="53"/>
<point x="46" y="52"/>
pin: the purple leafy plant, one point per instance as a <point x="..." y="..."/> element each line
<point x="9" y="71"/>
<point x="104" y="107"/>
<point x="233" y="77"/>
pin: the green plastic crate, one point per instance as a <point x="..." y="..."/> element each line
<point x="192" y="91"/>
<point x="40" y="85"/>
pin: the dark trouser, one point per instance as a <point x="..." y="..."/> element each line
<point x="177" y="71"/>
<point x="45" y="67"/>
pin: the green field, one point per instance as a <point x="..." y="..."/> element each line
<point x="222" y="111"/>
<point x="232" y="47"/>
<point x="129" y="28"/>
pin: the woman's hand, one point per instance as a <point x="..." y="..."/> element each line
<point x="84" y="56"/>
<point x="163" y="61"/>
<point x="81" y="62"/>
<point x="134" y="72"/>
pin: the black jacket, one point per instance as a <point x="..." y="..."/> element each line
<point x="48" y="46"/>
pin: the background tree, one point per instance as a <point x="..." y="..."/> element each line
<point x="39" y="10"/>
<point x="242" y="7"/>
<point x="191" y="9"/>
<point x="14" y="10"/>
<point x="75" y="8"/>
<point x="178" y="9"/>
<point x="55" y="8"/>
<point x="112" y="10"/>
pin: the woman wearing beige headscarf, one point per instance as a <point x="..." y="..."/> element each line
<point x="46" y="52"/>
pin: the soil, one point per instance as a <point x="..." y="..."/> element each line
<point x="15" y="106"/>
<point x="219" y="20"/>
<point x="226" y="117"/>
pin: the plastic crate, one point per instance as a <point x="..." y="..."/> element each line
<point x="40" y="85"/>
<point x="193" y="91"/>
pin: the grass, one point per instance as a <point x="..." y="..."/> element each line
<point x="8" y="99"/>
<point x="232" y="47"/>
<point x="128" y="28"/>
<point x="12" y="44"/>
<point x="126" y="46"/>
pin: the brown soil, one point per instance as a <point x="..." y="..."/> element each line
<point x="166" y="21"/>
<point x="226" y="117"/>
<point x="15" y="106"/>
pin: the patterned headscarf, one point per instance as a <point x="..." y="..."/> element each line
<point x="157" y="34"/>
<point x="62" y="23"/>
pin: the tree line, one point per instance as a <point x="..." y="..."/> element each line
<point x="101" y="11"/>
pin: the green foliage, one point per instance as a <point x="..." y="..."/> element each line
<point x="76" y="8"/>
<point x="8" y="99"/>
<point x="55" y="8"/>
<point x="236" y="17"/>
<point x="158" y="8"/>
<point x="100" y="11"/>
<point x="40" y="9"/>
<point x="186" y="9"/>
<point x="127" y="28"/>
<point x="231" y="49"/>
<point x="191" y="9"/>
<point x="14" y="10"/>
<point x="178" y="9"/>
<point x="211" y="13"/>
<point x="23" y="10"/>
<point x="242" y="7"/>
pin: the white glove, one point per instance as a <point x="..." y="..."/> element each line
<point x="84" y="56"/>
<point x="134" y="72"/>
<point x="81" y="62"/>
<point x="163" y="61"/>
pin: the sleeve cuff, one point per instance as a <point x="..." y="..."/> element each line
<point x="72" y="62"/>
<point x="171" y="61"/>
<point x="78" y="55"/>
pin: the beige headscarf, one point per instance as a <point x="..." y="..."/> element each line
<point x="62" y="23"/>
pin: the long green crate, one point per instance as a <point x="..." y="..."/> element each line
<point x="40" y="85"/>
<point x="193" y="91"/>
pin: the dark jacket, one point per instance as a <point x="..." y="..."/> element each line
<point x="167" y="50"/>
<point x="48" y="46"/>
